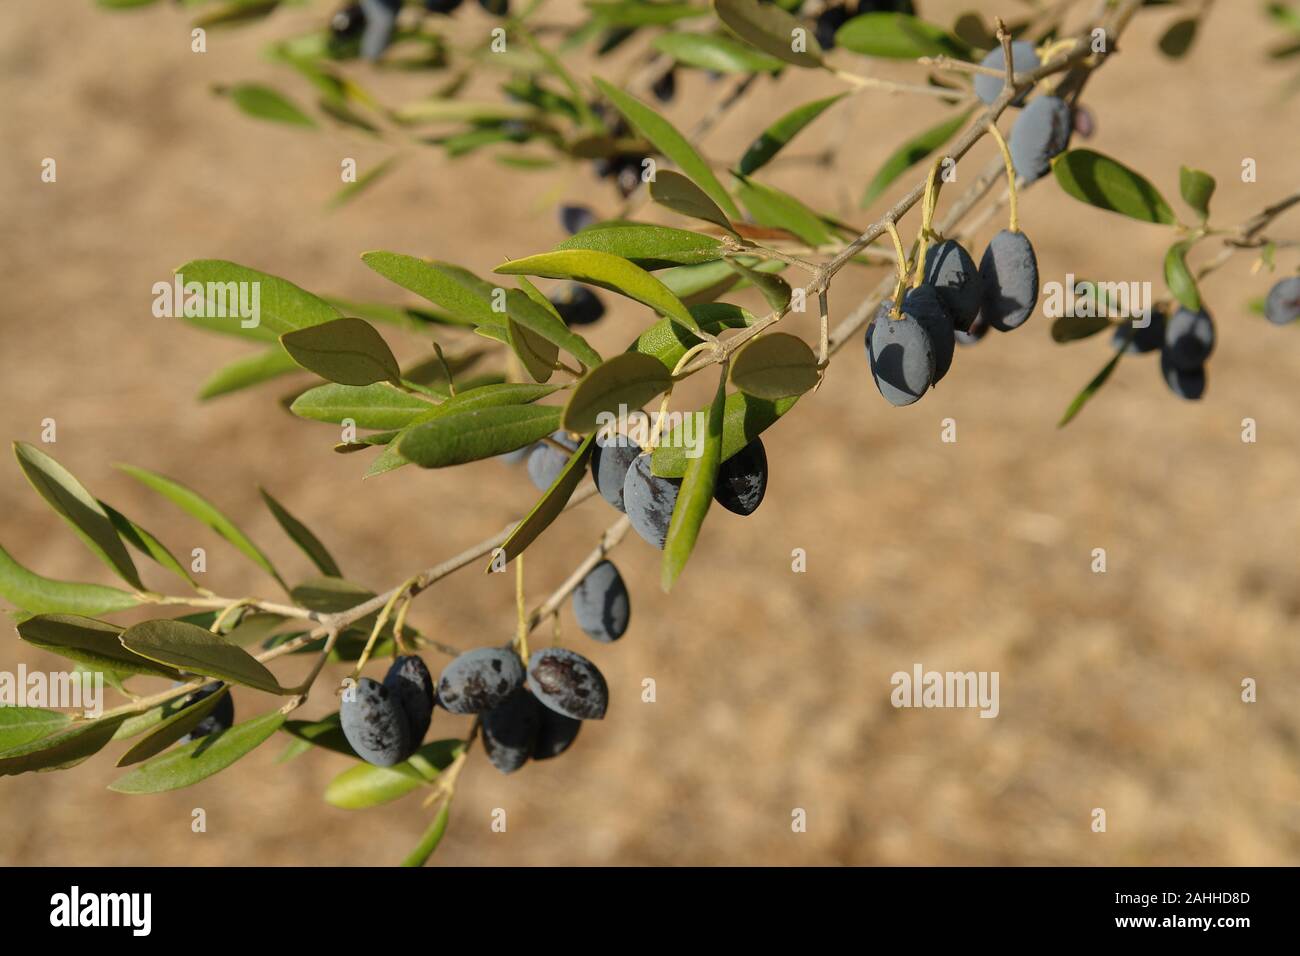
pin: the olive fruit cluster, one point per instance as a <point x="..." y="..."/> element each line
<point x="386" y="723"/>
<point x="1184" y="340"/>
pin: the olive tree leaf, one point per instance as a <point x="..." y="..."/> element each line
<point x="744" y="419"/>
<point x="542" y="322"/>
<point x="775" y="365"/>
<point x="301" y="535"/>
<point x="1071" y="328"/>
<point x="22" y="725"/>
<point x="1178" y="39"/>
<point x="369" y="406"/>
<point x="431" y="838"/>
<point x="1196" y="187"/>
<point x="41" y="595"/>
<point x="347" y="351"/>
<point x="64" y="748"/>
<point x="281" y="305"/>
<point x="704" y="283"/>
<point x="197" y="650"/>
<point x="476" y="434"/>
<point x="263" y="102"/>
<point x="718" y="54"/>
<point x="78" y="508"/>
<point x="199" y="759"/>
<point x="668" y="342"/>
<point x="197" y="506"/>
<point x="650" y="247"/>
<point x="548" y="507"/>
<point x="326" y="733"/>
<point x="770" y="29"/>
<point x="777" y="136"/>
<point x="370" y="177"/>
<point x="455" y="290"/>
<point x="637" y="13"/>
<point x="695" y="494"/>
<point x="665" y="138"/>
<point x="608" y="272"/>
<point x="535" y="353"/>
<point x="910" y="153"/>
<point x="773" y="207"/>
<point x="629" y="380"/>
<point x="1179" y="277"/>
<point x="1090" y="390"/>
<point x="94" y="643"/>
<point x="681" y="195"/>
<point x="898" y="36"/>
<point x="775" y="290"/>
<point x="247" y="372"/>
<point x="1102" y="182"/>
<point x="366" y="785"/>
<point x="173" y="728"/>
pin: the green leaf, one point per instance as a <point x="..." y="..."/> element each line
<point x="281" y="305"/>
<point x="199" y="759"/>
<point x="718" y="54"/>
<point x="173" y="728"/>
<point x="369" y="406"/>
<point x="777" y="136"/>
<point x="457" y="291"/>
<point x="94" y="643"/>
<point x="78" y="508"/>
<point x="262" y="102"/>
<point x="898" y="36"/>
<point x="137" y="724"/>
<point x="1197" y="187"/>
<point x="41" y="595"/>
<point x="536" y="354"/>
<point x="608" y="272"/>
<point x="236" y="12"/>
<point x="668" y="342"/>
<point x="301" y="535"/>
<point x="62" y="749"/>
<point x="771" y="29"/>
<point x="637" y="13"/>
<point x="330" y="595"/>
<point x="1178" y="39"/>
<point x="488" y="396"/>
<point x="366" y="785"/>
<point x="23" y="725"/>
<point x="665" y="138"/>
<point x="477" y="434"/>
<point x="543" y="323"/>
<point x="744" y="419"/>
<point x="1179" y="278"/>
<point x="1100" y="181"/>
<point x="375" y="174"/>
<point x="326" y="733"/>
<point x="695" y="494"/>
<point x="910" y="153"/>
<point x="705" y="282"/>
<point x="548" y="507"/>
<point x="775" y="290"/>
<point x="775" y="365"/>
<point x="1090" y="390"/>
<point x="196" y="650"/>
<point x="780" y="210"/>
<point x="247" y="372"/>
<point x="195" y="505"/>
<point x="630" y="380"/>
<point x="431" y="838"/>
<point x="681" y="195"/>
<point x="347" y="351"/>
<point x="650" y="247"/>
<point x="1071" y="328"/>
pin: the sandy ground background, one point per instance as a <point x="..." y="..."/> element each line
<point x="1118" y="690"/>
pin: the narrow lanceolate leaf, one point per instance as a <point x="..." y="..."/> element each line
<point x="744" y="419"/>
<point x="775" y="138"/>
<point x="247" y="372"/>
<point x="173" y="729"/>
<point x="1179" y="277"/>
<point x="608" y="272"/>
<point x="369" y="406"/>
<point x="365" y="785"/>
<point x="78" y="508"/>
<point x="227" y="287"/>
<point x="347" y="351"/>
<point x="775" y="290"/>
<point x="262" y="102"/>
<point x="1196" y="187"/>
<point x="535" y="353"/>
<point x="671" y="143"/>
<point x="650" y="247"/>
<point x="718" y="54"/>
<point x="668" y="342"/>
<point x="363" y="182"/>
<point x="488" y="396"/>
<point x="431" y="838"/>
<point x="196" y="650"/>
<point x="22" y="725"/>
<point x="199" y="759"/>
<point x="775" y="365"/>
<point x="704" y="283"/>
<point x="626" y="381"/>
<point x="94" y="643"/>
<point x="197" y="506"/>
<point x="326" y="733"/>
<point x="910" y="153"/>
<point x="1102" y="182"/>
<point x="62" y="749"/>
<point x="636" y="13"/>
<point x="41" y="595"/>
<point x="542" y="322"/>
<point x="301" y="535"/>
<point x="771" y="29"/>
<point x="772" y="207"/>
<point x="1071" y="328"/>
<point x="681" y="195"/>
<point x="898" y="36"/>
<point x="1090" y="390"/>
<point x="695" y="494"/>
<point x="476" y="434"/>
<point x="455" y="290"/>
<point x="548" y="508"/>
